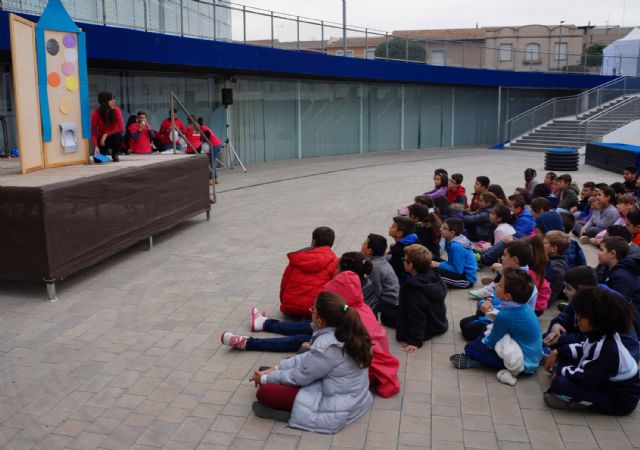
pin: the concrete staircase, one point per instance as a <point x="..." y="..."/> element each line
<point x="574" y="132"/>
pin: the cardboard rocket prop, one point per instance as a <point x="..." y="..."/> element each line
<point x="51" y="89"/>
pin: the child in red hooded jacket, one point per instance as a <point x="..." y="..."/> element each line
<point x="308" y="271"/>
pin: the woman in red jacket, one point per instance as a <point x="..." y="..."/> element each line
<point x="107" y="127"/>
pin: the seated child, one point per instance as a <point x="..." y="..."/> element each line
<point x="500" y="217"/>
<point x="402" y="231"/>
<point x="625" y="204"/>
<point x="623" y="232"/>
<point x="421" y="313"/>
<point x="478" y="224"/>
<point x="604" y="213"/>
<point x="567" y="193"/>
<point x="546" y="220"/>
<point x="441" y="184"/>
<point x="598" y="373"/>
<point x="630" y="174"/>
<point x="583" y="209"/>
<point x="308" y="271"/>
<point x="327" y="388"/>
<point x="516" y="319"/>
<point x="622" y="271"/>
<point x="550" y="180"/>
<point x="555" y="244"/>
<point x="456" y="192"/>
<point x="632" y="221"/>
<point x="530" y="181"/>
<point x="427" y="227"/>
<point x="516" y="254"/>
<point x="481" y="185"/>
<point x="564" y="330"/>
<point x="348" y="283"/>
<point x="382" y="275"/>
<point x="574" y="256"/>
<point x="460" y="269"/>
<point x="497" y="190"/>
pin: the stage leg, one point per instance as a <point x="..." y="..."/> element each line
<point x="51" y="291"/>
<point x="150" y="243"/>
<point x="208" y="215"/>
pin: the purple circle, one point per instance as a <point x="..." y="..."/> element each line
<point x="68" y="68"/>
<point x="69" y="40"/>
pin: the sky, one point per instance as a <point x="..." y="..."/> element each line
<point x="432" y="14"/>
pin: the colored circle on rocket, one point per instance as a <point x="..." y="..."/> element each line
<point x="53" y="47"/>
<point x="71" y="83"/>
<point x="53" y="79"/>
<point x="65" y="105"/>
<point x="68" y="68"/>
<point x="69" y="40"/>
<point x="70" y="55"/>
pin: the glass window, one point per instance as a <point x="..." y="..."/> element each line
<point x="341" y="53"/>
<point x="437" y="57"/>
<point x="560" y="51"/>
<point x="532" y="53"/>
<point x="506" y="52"/>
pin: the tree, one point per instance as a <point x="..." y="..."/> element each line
<point x="592" y="56"/>
<point x="398" y="50"/>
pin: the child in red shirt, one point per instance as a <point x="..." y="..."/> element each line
<point x="107" y="127"/>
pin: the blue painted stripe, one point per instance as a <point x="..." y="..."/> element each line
<point x="41" y="55"/>
<point x="137" y="49"/>
<point x="85" y="113"/>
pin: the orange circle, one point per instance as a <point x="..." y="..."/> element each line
<point x="54" y="79"/>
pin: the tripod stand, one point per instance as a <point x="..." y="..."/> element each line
<point x="229" y="148"/>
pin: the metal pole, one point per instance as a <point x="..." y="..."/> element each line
<point x="215" y="19"/>
<point x="500" y="139"/>
<point x="145" y="12"/>
<point x="344" y="27"/>
<point x="298" y="31"/>
<point x="559" y="42"/>
<point x="426" y="51"/>
<point x="322" y="35"/>
<point x="173" y="126"/>
<point x="271" y="28"/>
<point x="386" y="44"/>
<point x="366" y="43"/>
<point x="104" y="12"/>
<point x="181" y="19"/>
<point x="244" y="24"/>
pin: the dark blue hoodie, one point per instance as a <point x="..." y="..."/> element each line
<point x="524" y="224"/>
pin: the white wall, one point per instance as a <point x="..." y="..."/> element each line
<point x="628" y="134"/>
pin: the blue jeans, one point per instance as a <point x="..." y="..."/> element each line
<point x="213" y="165"/>
<point x="477" y="351"/>
<point x="492" y="255"/>
<point x="295" y="334"/>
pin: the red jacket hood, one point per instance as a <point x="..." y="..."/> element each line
<point x="312" y="260"/>
<point x="347" y="285"/>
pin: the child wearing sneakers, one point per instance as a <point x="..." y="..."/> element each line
<point x="306" y="274"/>
<point x="598" y="373"/>
<point x="460" y="269"/>
<point x="348" y="283"/>
<point x="517" y="320"/>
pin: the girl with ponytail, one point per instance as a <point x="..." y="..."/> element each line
<point x="327" y="388"/>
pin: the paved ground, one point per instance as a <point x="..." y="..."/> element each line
<point x="130" y="355"/>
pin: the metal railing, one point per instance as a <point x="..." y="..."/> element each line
<point x="570" y="106"/>
<point x="226" y="21"/>
<point x="610" y="119"/>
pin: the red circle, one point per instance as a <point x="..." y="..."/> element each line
<point x="53" y="79"/>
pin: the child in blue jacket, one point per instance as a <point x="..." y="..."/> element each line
<point x="598" y="373"/>
<point x="516" y="318"/>
<point x="460" y="269"/>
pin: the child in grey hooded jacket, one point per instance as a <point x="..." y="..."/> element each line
<point x="326" y="388"/>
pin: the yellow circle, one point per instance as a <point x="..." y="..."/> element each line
<point x="65" y="105"/>
<point x="71" y="83"/>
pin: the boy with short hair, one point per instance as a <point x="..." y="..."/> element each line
<point x="481" y="185"/>
<point x="582" y="210"/>
<point x="574" y="256"/>
<point x="460" y="269"/>
<point x="567" y="193"/>
<point x="308" y="271"/>
<point x="516" y="319"/>
<point x="630" y="174"/>
<point x="382" y="275"/>
<point x="421" y="312"/>
<point x="402" y="231"/>
<point x="555" y="244"/>
<point x="623" y="273"/>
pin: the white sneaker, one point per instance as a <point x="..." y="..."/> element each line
<point x="481" y="293"/>
<point x="233" y="340"/>
<point x="257" y="319"/>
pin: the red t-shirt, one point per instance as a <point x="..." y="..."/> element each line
<point x="215" y="141"/>
<point x="636" y="239"/>
<point x="100" y="128"/>
<point x="141" y="143"/>
<point x="165" y="129"/>
<point x="195" y="138"/>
